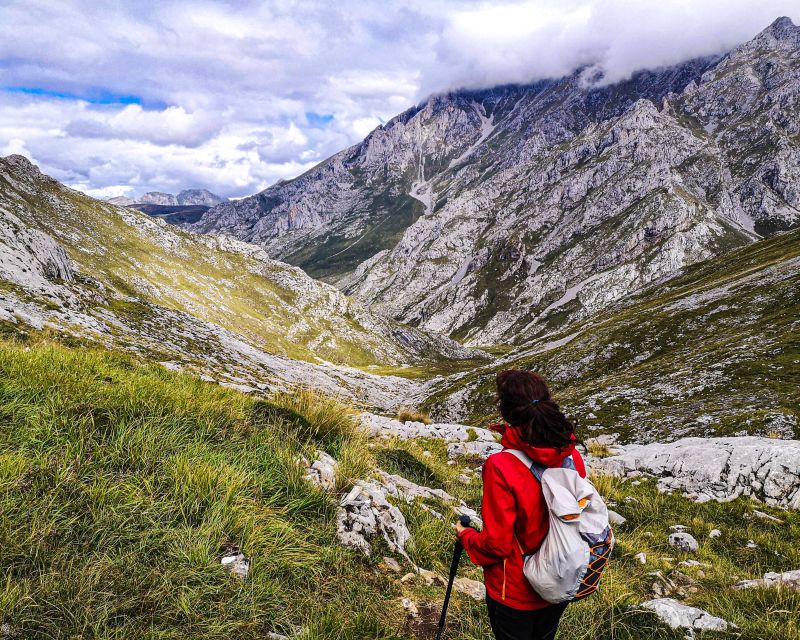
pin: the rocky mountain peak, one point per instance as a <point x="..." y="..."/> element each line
<point x="782" y="34"/>
<point x="496" y="214"/>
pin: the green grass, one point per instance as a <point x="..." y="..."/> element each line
<point x="121" y="485"/>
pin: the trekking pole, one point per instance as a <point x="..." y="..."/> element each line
<point x="464" y="520"/>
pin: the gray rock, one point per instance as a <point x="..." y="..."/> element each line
<point x="472" y="588"/>
<point x="717" y="468"/>
<point x="237" y="564"/>
<point x="479" y="448"/>
<point x="789" y="579"/>
<point x="683" y="541"/>
<point x="615" y="518"/>
<point x="322" y="471"/>
<point x="678" y="615"/>
<point x="364" y="513"/>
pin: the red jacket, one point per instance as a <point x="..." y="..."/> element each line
<point x="513" y="504"/>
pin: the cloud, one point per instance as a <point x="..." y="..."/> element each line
<point x="129" y="97"/>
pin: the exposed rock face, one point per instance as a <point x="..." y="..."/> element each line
<point x="488" y="214"/>
<point x="678" y="615"/>
<point x="383" y="426"/>
<point x="717" y="468"/>
<point x="187" y="197"/>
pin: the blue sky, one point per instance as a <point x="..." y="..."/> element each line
<point x="119" y="98"/>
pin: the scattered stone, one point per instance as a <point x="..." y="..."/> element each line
<point x="237" y="564"/>
<point x="689" y="563"/>
<point x="410" y="607"/>
<point x="431" y="577"/>
<point x="392" y="564"/>
<point x="714" y="533"/>
<point x="641" y="557"/>
<point x="766" y="516"/>
<point x="322" y="472"/>
<point x="615" y="518"/>
<point x="472" y="588"/>
<point x="427" y="454"/>
<point x="790" y="579"/>
<point x="751" y="544"/>
<point x="678" y="615"/>
<point x="683" y="541"/>
<point x="678" y="527"/>
<point x="408" y="577"/>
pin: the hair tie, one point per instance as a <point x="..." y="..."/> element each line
<point x="535" y="401"/>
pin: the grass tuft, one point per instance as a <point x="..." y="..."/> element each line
<point x="406" y="414"/>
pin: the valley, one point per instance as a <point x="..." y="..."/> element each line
<point x="258" y="418"/>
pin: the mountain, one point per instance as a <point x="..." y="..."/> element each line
<point x="496" y="216"/>
<point x="185" y="208"/>
<point x="83" y="268"/>
<point x="712" y="352"/>
<point x="185" y="198"/>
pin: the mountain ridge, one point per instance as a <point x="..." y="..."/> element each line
<point x="492" y="216"/>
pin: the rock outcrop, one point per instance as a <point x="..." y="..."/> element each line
<point x="364" y="513"/>
<point x="716" y="468"/>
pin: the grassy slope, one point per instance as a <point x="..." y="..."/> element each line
<point x="161" y="264"/>
<point x="121" y="484"/>
<point x="720" y="341"/>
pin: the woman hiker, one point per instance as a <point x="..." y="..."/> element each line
<point x="514" y="513"/>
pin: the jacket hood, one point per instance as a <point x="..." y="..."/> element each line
<point x="548" y="456"/>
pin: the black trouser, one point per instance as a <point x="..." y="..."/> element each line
<point x="514" y="624"/>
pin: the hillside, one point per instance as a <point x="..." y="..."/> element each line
<point x="115" y="276"/>
<point x="125" y="488"/>
<point x="497" y="215"/>
<point x="712" y="352"/>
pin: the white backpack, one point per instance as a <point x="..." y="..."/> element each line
<point x="575" y="551"/>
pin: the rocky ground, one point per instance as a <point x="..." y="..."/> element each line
<point x="695" y="470"/>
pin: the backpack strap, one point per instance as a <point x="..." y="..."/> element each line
<point x="536" y="468"/>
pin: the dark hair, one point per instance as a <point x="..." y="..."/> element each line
<point x="524" y="401"/>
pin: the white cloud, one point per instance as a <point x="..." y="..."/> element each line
<point x="234" y="96"/>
